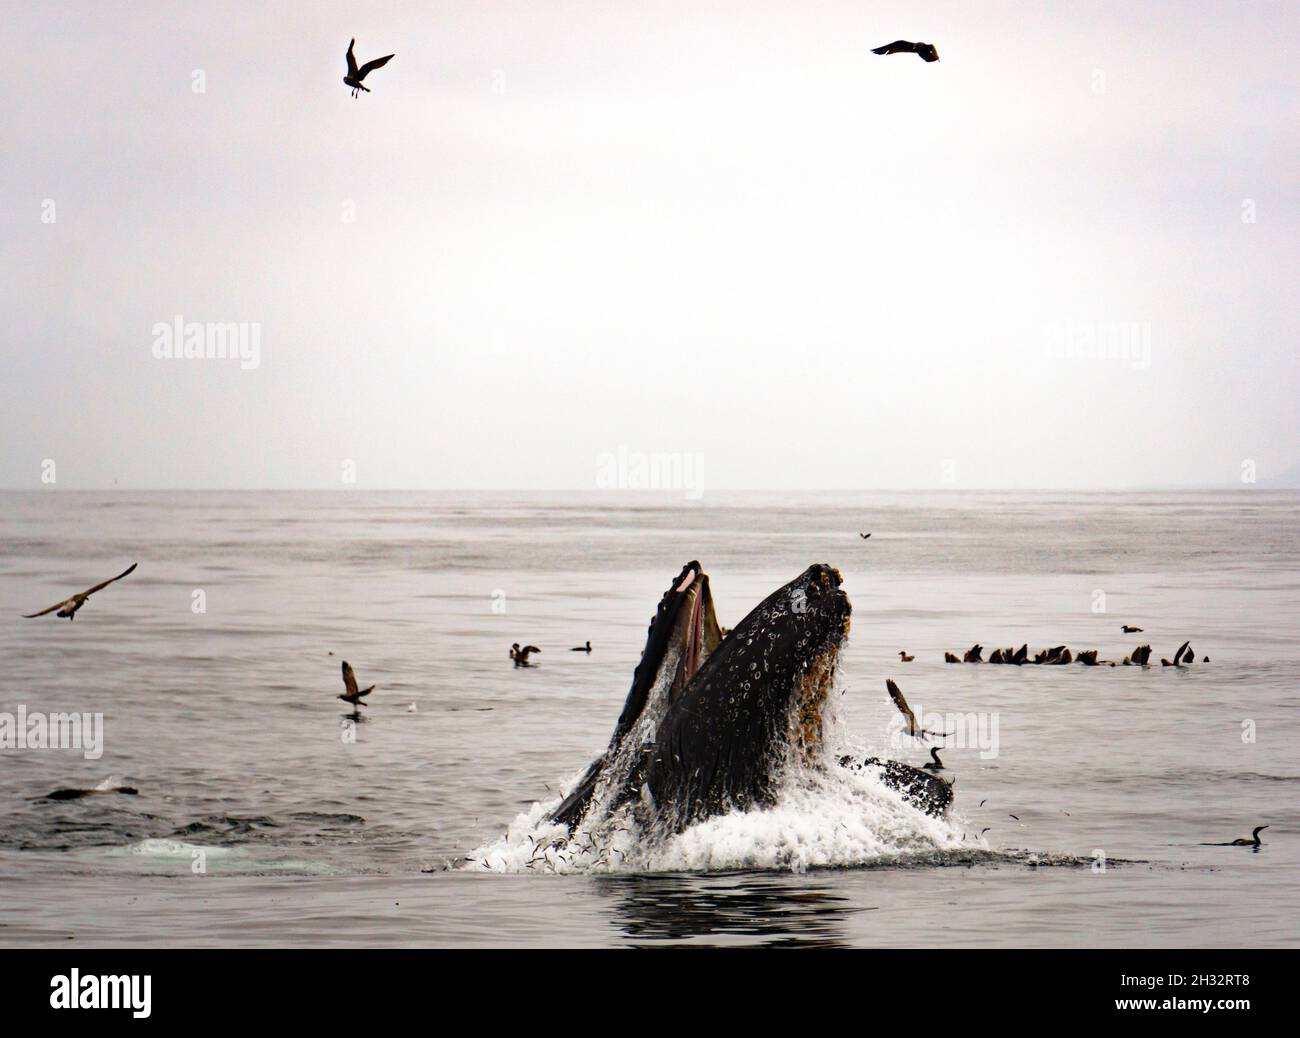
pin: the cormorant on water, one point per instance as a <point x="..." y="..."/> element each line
<point x="905" y="657"/>
<point x="938" y="764"/>
<point x="1241" y="841"/>
<point x="579" y="648"/>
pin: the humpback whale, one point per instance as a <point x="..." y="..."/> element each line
<point x="712" y="724"/>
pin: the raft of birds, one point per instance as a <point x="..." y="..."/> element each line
<point x="1060" y="655"/>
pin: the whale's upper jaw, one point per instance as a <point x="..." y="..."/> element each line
<point x="755" y="707"/>
<point x="683" y="633"/>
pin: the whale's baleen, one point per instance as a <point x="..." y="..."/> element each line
<point x="683" y="633"/>
<point x="69" y="606"/>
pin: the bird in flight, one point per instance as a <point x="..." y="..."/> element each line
<point x="913" y="728"/>
<point x="356" y="75"/>
<point x="69" y="606"/>
<point x="927" y="50"/>
<point x="352" y="694"/>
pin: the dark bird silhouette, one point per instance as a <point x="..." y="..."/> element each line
<point x="905" y="657"/>
<point x="927" y="50"/>
<point x="351" y="694"/>
<point x="1241" y="841"/>
<point x="520" y="656"/>
<point x="68" y="607"/>
<point x="1178" y="657"/>
<point x="580" y="648"/>
<point x="937" y="764"/>
<point x="356" y="75"/>
<point x="896" y="694"/>
<point x="1130" y="630"/>
<point x="864" y="536"/>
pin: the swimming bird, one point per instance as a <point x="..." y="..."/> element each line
<point x="948" y="657"/>
<point x="938" y="764"/>
<point x="927" y="50"/>
<point x="581" y="648"/>
<point x="520" y="656"/>
<point x="1130" y="630"/>
<point x="896" y="694"/>
<point x="351" y="693"/>
<point x="1241" y="841"/>
<point x="356" y="75"/>
<point x="69" y="606"/>
<point x="905" y="657"/>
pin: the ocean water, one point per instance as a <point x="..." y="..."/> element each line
<point x="265" y="817"/>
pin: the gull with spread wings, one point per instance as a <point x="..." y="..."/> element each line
<point x="68" y="607"/>
<point x="356" y="75"/>
<point x="353" y="695"/>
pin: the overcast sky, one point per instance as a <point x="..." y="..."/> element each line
<point x="725" y="231"/>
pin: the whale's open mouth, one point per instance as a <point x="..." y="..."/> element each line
<point x="712" y="722"/>
<point x="683" y="634"/>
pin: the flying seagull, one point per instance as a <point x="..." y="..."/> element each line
<point x="69" y="606"/>
<point x="356" y="75"/>
<point x="353" y="695"/>
<point x="927" y="50"/>
<point x="913" y="728"/>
